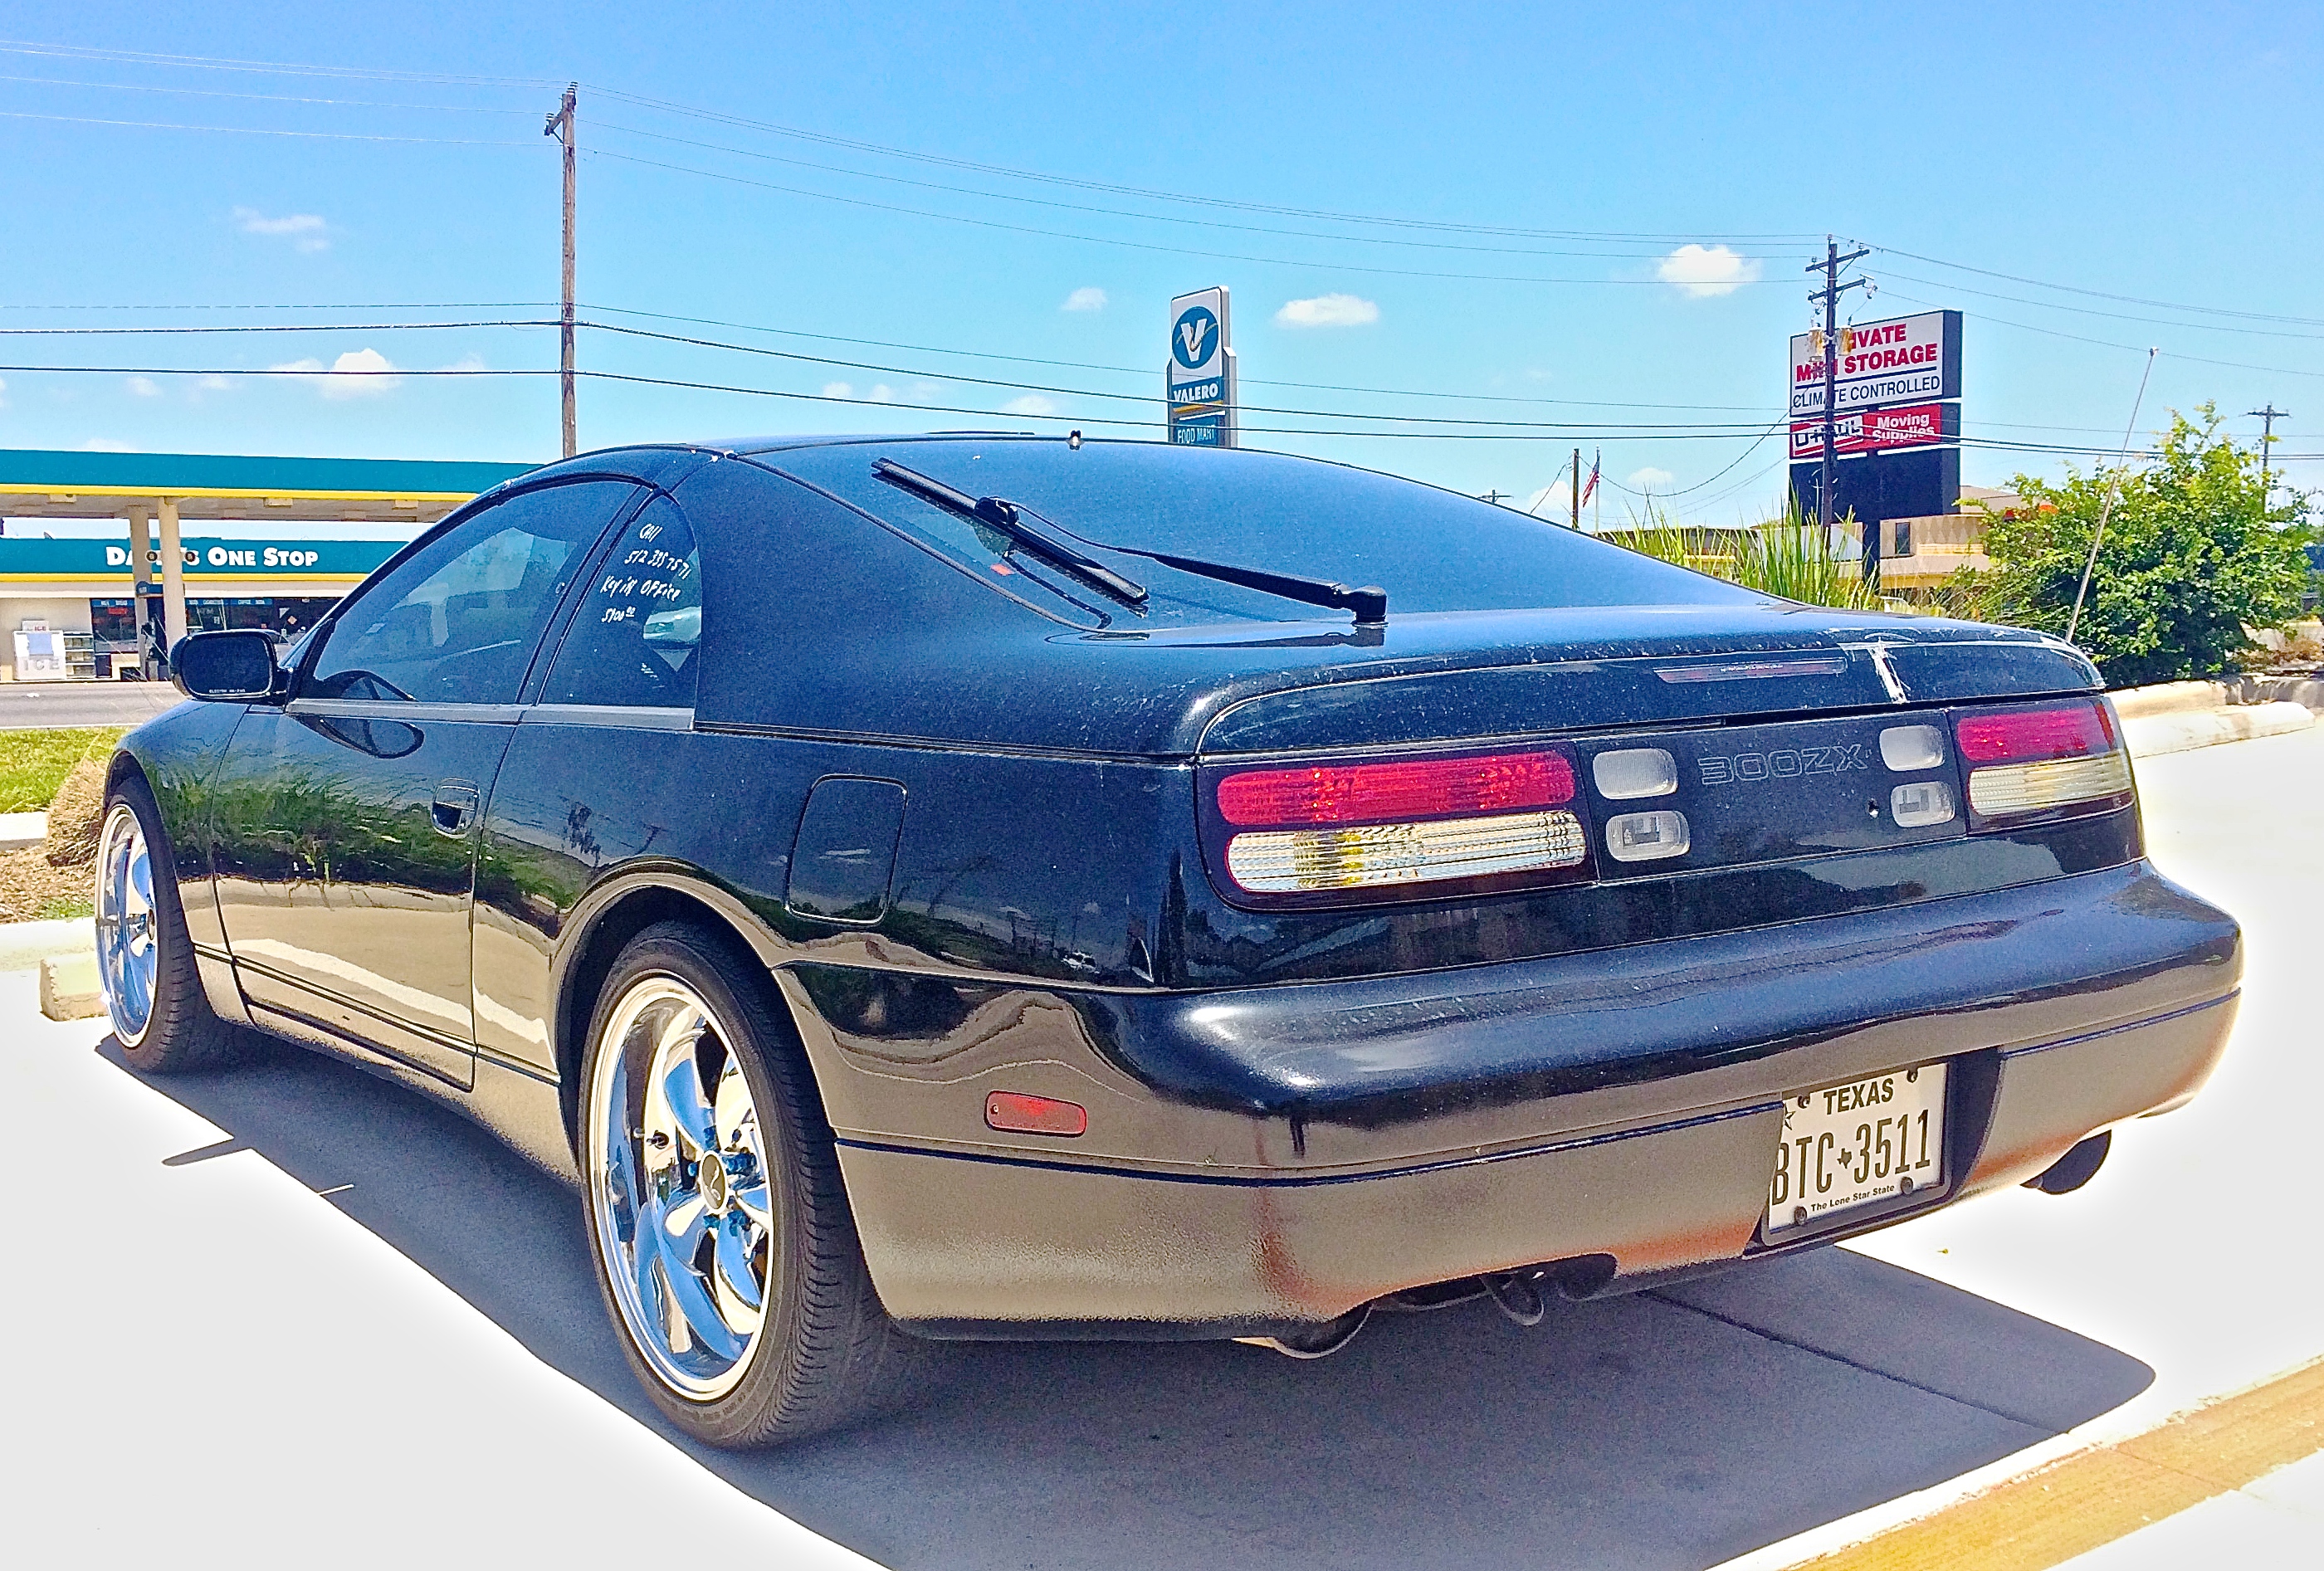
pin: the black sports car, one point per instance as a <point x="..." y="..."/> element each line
<point x="987" y="886"/>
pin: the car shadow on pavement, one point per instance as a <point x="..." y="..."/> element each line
<point x="1674" y="1428"/>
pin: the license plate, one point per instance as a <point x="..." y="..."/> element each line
<point x="1852" y="1145"/>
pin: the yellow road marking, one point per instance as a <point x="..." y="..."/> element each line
<point x="2094" y="1497"/>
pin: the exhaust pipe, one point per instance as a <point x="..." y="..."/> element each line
<point x="2076" y="1168"/>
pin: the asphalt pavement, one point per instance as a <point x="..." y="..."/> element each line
<point x="38" y="705"/>
<point x="293" y="1312"/>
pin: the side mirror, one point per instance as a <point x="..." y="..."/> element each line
<point x="235" y="666"/>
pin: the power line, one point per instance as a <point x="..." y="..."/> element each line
<point x="1101" y="240"/>
<point x="2100" y="294"/>
<point x="264" y="98"/>
<point x="1644" y="430"/>
<point x="2115" y="316"/>
<point x="1737" y="427"/>
<point x="158" y="59"/>
<point x="259" y="131"/>
<point x="2111" y="344"/>
<point x="1152" y="194"/>
<point x="269" y="327"/>
<point x="1147" y="372"/>
<point x="265" y="68"/>
<point x="1118" y="212"/>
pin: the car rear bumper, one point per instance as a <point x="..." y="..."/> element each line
<point x="1330" y="1144"/>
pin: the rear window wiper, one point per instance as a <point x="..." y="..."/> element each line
<point x="1004" y="519"/>
<point x="1369" y="603"/>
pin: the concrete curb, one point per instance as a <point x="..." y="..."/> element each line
<point x="68" y="990"/>
<point x="2173" y="717"/>
<point x="2181" y="730"/>
<point x="23" y="945"/>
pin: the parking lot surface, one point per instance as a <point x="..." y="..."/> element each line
<point x="293" y="1313"/>
<point x="37" y="705"/>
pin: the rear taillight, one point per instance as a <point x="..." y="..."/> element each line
<point x="1475" y="820"/>
<point x="2057" y="757"/>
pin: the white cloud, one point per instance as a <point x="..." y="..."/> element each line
<point x="4" y="395"/>
<point x="307" y="232"/>
<point x="357" y="373"/>
<point x="1707" y="269"/>
<point x="1328" y="311"/>
<point x="1085" y="298"/>
<point x="467" y="363"/>
<point x="1031" y="404"/>
<point x="104" y="444"/>
<point x="881" y="393"/>
<point x="1648" y="478"/>
<point x="144" y="387"/>
<point x="838" y="389"/>
<point x="214" y="384"/>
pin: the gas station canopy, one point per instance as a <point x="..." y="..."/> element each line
<point x="166" y="488"/>
<point x="35" y="484"/>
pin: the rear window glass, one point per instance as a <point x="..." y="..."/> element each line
<point x="1432" y="550"/>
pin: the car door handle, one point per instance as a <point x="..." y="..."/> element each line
<point x="455" y="807"/>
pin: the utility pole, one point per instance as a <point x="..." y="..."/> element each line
<point x="560" y="126"/>
<point x="1574" y="489"/>
<point x="1828" y="297"/>
<point x="2268" y="416"/>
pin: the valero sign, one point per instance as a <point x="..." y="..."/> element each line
<point x="1903" y="360"/>
<point x="1199" y="378"/>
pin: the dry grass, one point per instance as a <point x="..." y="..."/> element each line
<point x="35" y="890"/>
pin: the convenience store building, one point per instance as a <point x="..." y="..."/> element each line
<point x="74" y="608"/>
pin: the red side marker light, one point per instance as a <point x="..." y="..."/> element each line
<point x="1019" y="1114"/>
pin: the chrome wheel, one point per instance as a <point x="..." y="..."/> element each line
<point x="127" y="962"/>
<point x="678" y="1178"/>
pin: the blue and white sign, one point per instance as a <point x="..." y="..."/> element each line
<point x="1195" y="338"/>
<point x="1199" y="380"/>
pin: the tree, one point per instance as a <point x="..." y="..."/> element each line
<point x="2191" y="558"/>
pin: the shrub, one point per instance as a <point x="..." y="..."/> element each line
<point x="2191" y="555"/>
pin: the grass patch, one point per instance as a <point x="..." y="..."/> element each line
<point x="33" y="764"/>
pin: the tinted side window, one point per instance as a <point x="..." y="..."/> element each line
<point x="635" y="633"/>
<point x="457" y="623"/>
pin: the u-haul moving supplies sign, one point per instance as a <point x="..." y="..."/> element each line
<point x="1875" y="430"/>
<point x="1900" y="360"/>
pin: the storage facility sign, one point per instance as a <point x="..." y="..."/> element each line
<point x="1873" y="430"/>
<point x="1199" y="378"/>
<point x="1903" y="360"/>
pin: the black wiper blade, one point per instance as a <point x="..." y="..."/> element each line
<point x="1005" y="518"/>
<point x="1369" y="603"/>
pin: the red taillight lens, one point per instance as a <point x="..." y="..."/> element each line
<point x="1328" y="833"/>
<point x="1369" y="793"/>
<point x="2073" y="731"/>
<point x="2060" y="758"/>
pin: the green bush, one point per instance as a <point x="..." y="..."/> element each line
<point x="2191" y="556"/>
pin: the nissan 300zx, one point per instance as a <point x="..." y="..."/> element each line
<point x="982" y="886"/>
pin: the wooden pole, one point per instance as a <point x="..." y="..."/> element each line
<point x="560" y="126"/>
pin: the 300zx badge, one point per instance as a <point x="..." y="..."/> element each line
<point x="1783" y="764"/>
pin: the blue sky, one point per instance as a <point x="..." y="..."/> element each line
<point x="1544" y="164"/>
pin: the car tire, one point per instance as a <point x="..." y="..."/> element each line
<point x="151" y="989"/>
<point x="712" y="1180"/>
